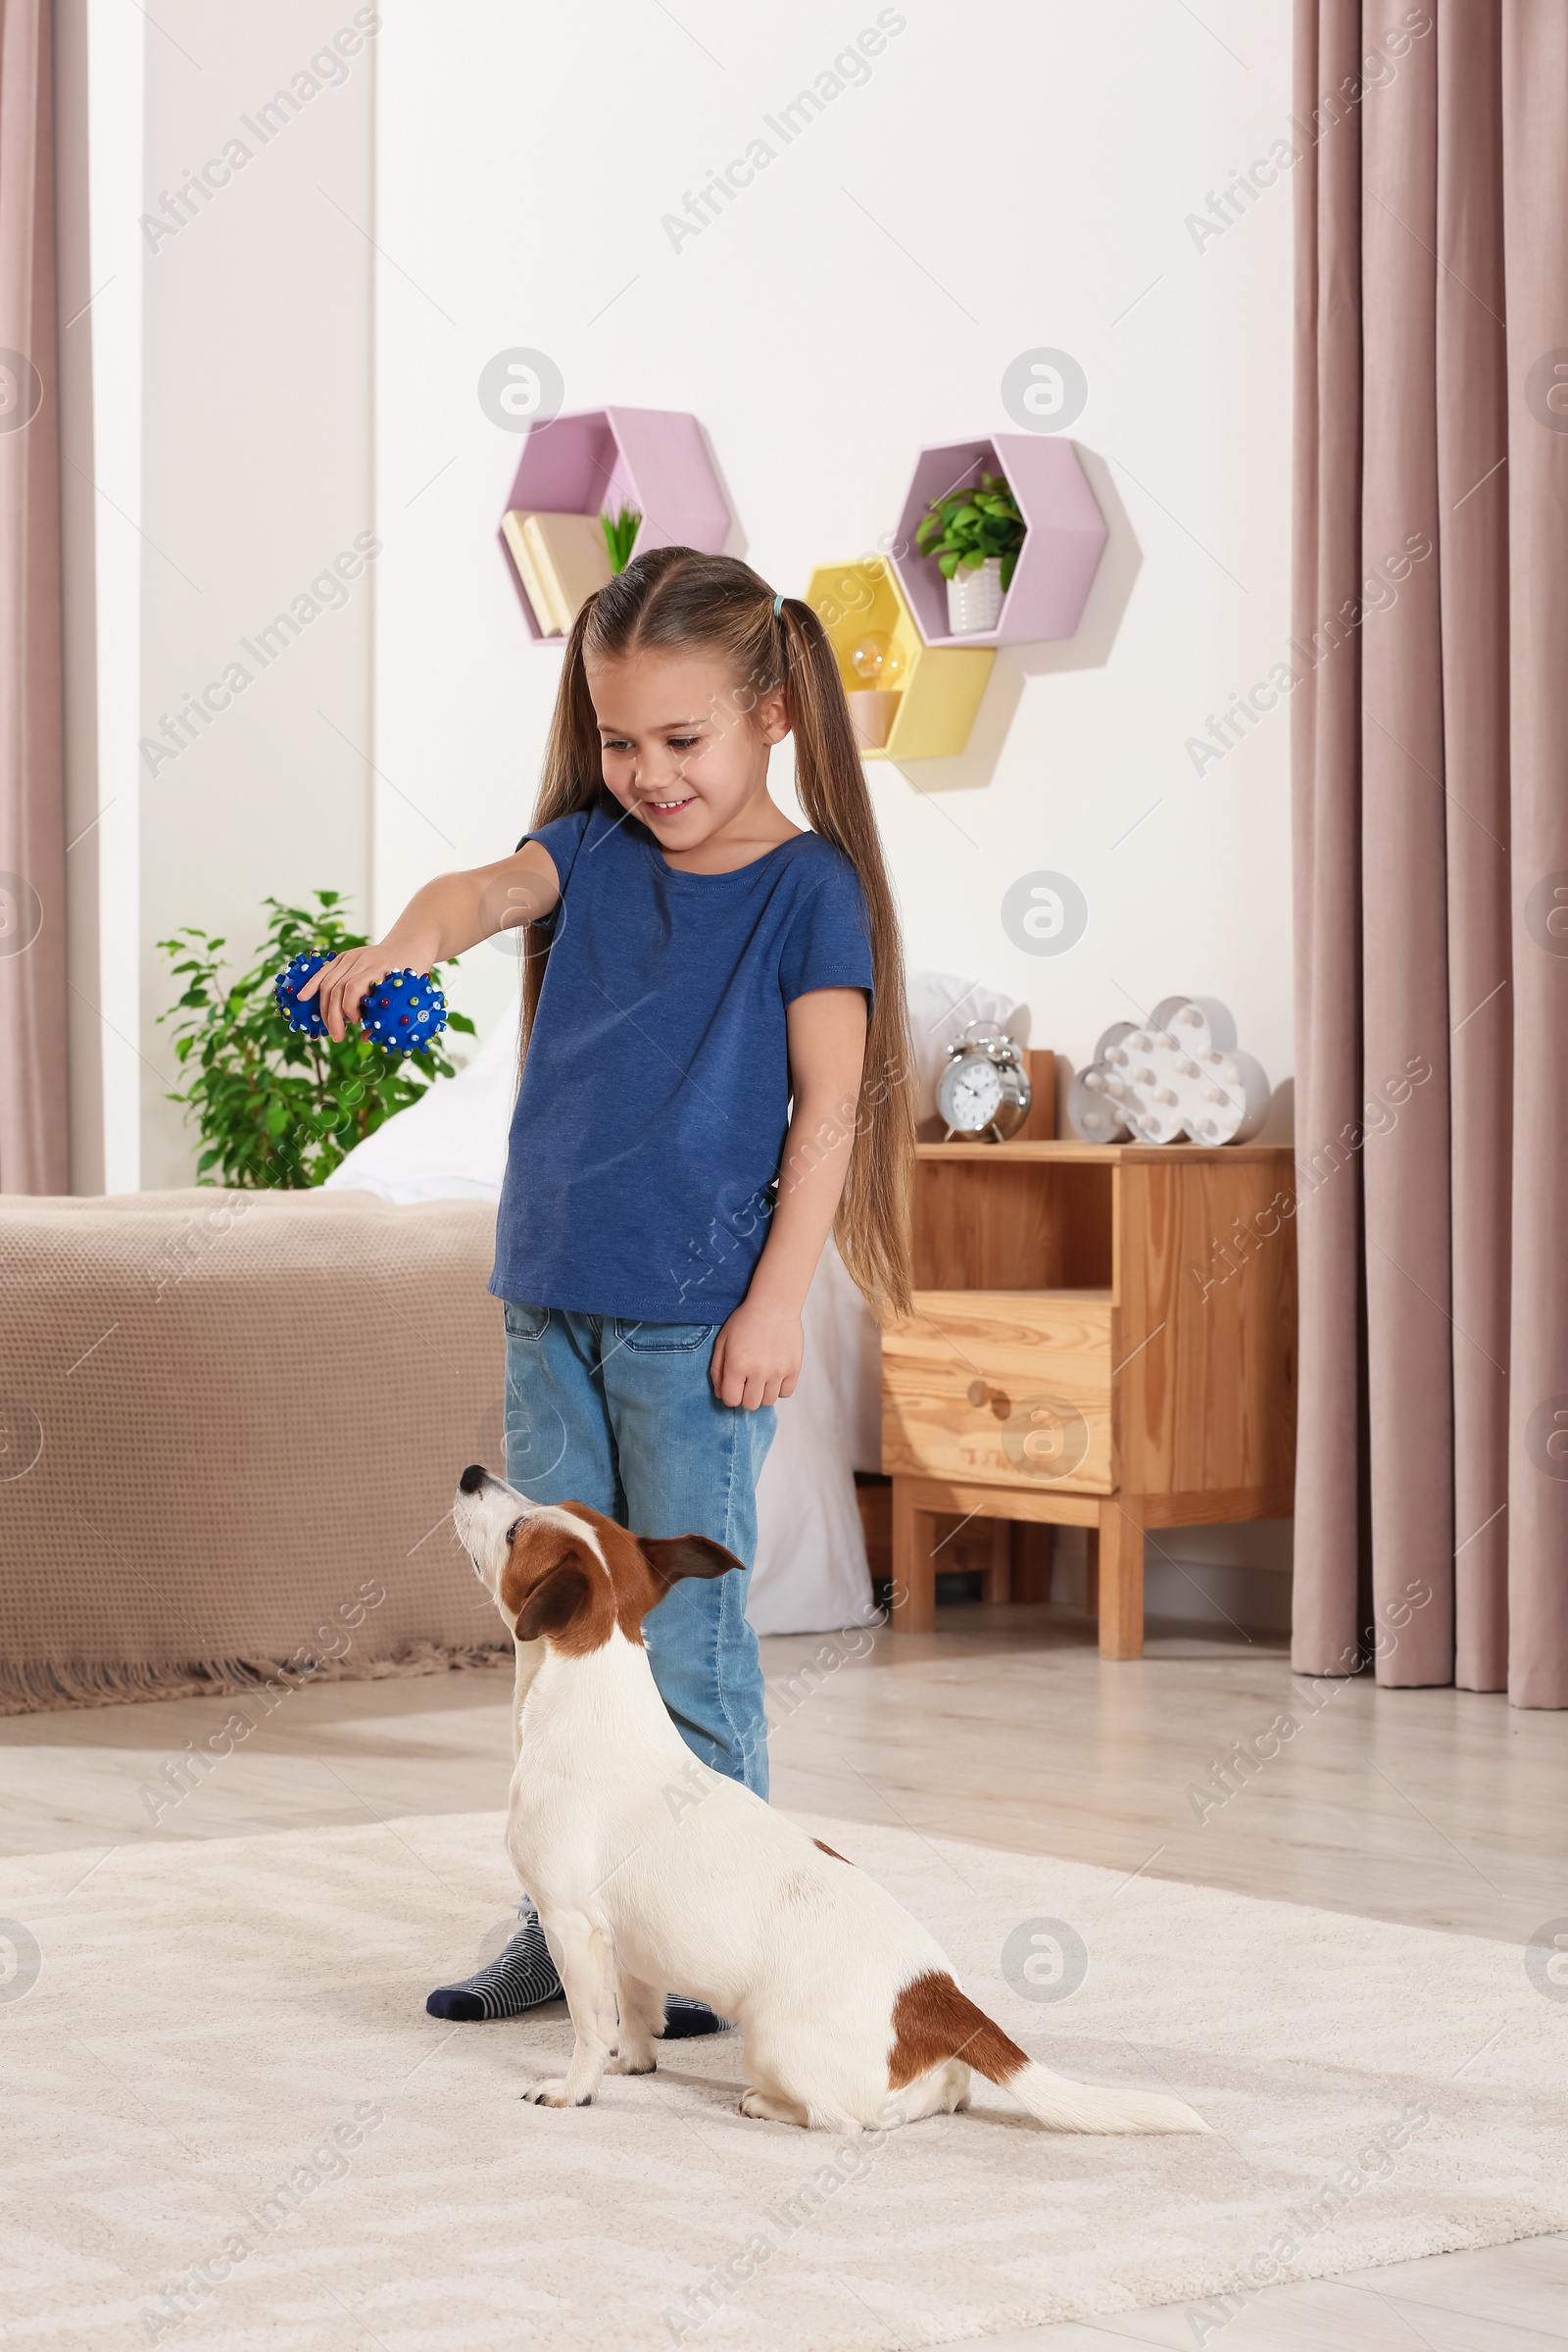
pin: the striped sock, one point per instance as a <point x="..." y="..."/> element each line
<point x="685" y="2019"/>
<point x="520" y="1978"/>
<point x="523" y="1976"/>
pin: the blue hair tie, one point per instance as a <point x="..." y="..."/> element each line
<point x="778" y="606"/>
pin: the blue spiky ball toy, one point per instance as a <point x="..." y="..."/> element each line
<point x="307" y="1018"/>
<point x="404" y="1013"/>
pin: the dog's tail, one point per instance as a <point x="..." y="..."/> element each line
<point x="933" y="2021"/>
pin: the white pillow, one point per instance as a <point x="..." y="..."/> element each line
<point x="941" y="1009"/>
<point x="811" y="1574"/>
<point x="452" y="1144"/>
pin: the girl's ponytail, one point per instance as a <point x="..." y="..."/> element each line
<point x="676" y="599"/>
<point x="873" y="1225"/>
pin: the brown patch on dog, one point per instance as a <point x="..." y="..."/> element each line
<point x="556" y="1585"/>
<point x="933" y="2021"/>
<point x="555" y="1600"/>
<point x="828" y="1849"/>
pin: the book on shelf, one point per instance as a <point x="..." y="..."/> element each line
<point x="532" y="586"/>
<point x="561" y="559"/>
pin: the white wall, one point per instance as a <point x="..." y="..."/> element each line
<point x="1010" y="174"/>
<point x="257" y="418"/>
<point x="217" y="357"/>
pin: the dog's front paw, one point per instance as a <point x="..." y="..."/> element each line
<point x="633" y="2062"/>
<point x="554" y="2093"/>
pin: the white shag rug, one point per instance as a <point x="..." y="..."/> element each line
<point x="231" y="2121"/>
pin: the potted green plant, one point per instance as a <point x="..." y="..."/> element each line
<point x="620" y="534"/>
<point x="275" y="1107"/>
<point x="975" y="535"/>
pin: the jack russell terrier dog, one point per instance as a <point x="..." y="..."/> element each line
<point x="651" y="1872"/>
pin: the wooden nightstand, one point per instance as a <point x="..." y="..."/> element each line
<point x="1103" y="1336"/>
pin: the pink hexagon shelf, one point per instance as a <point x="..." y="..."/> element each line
<point x="603" y="459"/>
<point x="1064" y="534"/>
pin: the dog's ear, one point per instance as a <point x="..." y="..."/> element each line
<point x="546" y="1577"/>
<point x="556" y="1600"/>
<point x="673" y="1557"/>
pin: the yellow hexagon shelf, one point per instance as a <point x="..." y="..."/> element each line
<point x="937" y="688"/>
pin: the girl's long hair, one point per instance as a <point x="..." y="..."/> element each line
<point x="677" y="600"/>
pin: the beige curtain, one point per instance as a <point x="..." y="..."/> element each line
<point x="1431" y="836"/>
<point x="32" y="849"/>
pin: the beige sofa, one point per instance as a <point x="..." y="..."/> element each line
<point x="192" y="1385"/>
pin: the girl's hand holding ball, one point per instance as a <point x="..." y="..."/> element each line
<point x="398" y="1006"/>
<point x="345" y="981"/>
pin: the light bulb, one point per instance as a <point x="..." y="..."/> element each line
<point x="876" y="660"/>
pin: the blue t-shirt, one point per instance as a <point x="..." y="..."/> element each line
<point x="651" y="1118"/>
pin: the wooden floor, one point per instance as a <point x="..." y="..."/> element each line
<point x="1438" y="1808"/>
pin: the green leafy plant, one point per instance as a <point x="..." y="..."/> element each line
<point x="968" y="526"/>
<point x="276" y="1108"/>
<point x="620" y="530"/>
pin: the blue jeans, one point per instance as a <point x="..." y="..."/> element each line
<point x="622" y="1415"/>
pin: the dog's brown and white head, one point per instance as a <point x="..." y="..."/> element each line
<point x="565" y="1573"/>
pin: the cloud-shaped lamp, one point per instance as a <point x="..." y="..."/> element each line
<point x="1181" y="1075"/>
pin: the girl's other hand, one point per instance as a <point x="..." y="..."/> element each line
<point x="756" y="1356"/>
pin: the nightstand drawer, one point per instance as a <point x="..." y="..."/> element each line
<point x="1008" y="1387"/>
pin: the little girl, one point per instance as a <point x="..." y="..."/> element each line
<point x="714" y="1077"/>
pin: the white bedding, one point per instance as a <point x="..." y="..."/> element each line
<point x="810" y="1572"/>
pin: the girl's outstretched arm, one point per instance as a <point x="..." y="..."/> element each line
<point x="453" y="912"/>
<point x="757" y="1356"/>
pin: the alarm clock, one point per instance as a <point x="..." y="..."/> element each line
<point x="983" y="1090"/>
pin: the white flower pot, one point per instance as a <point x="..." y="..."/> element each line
<point x="872" y="711"/>
<point x="974" y="599"/>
